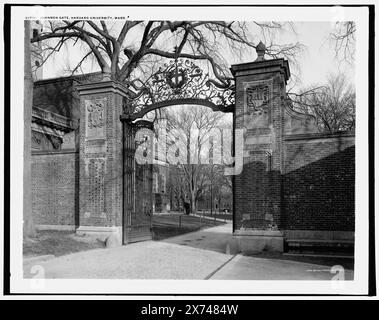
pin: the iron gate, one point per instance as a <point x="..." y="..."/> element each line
<point x="138" y="186"/>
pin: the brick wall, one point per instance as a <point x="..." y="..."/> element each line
<point x="101" y="183"/>
<point x="319" y="183"/>
<point x="59" y="95"/>
<point x="55" y="188"/>
<point x="257" y="189"/>
<point x="253" y="190"/>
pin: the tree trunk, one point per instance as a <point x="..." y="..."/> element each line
<point x="193" y="202"/>
<point x="28" y="226"/>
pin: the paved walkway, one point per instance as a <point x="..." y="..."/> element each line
<point x="252" y="268"/>
<point x="214" y="239"/>
<point x="198" y="255"/>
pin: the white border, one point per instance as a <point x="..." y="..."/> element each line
<point x="358" y="286"/>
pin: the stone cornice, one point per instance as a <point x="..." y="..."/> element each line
<point x="259" y="67"/>
<point x="51" y="120"/>
<point x="103" y="87"/>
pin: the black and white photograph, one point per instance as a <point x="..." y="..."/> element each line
<point x="189" y="149"/>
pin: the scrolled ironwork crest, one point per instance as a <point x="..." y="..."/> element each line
<point x="179" y="82"/>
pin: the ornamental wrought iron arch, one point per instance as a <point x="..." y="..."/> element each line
<point x="178" y="82"/>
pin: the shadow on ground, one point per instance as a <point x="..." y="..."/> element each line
<point x="220" y="239"/>
<point x="175" y="224"/>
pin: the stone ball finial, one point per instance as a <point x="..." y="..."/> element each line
<point x="260" y="49"/>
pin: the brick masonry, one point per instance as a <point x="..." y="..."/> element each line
<point x="55" y="186"/>
<point x="100" y="163"/>
<point x="60" y="95"/>
<point x="257" y="189"/>
<point x="293" y="176"/>
<point x="319" y="183"/>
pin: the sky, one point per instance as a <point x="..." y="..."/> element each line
<point x="315" y="63"/>
<point x="319" y="60"/>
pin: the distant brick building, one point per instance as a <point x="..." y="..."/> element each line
<point x="161" y="173"/>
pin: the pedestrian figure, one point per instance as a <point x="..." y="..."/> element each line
<point x="186" y="207"/>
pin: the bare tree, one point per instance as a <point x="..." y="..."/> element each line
<point x="176" y="187"/>
<point x="343" y="38"/>
<point x="122" y="50"/>
<point x="188" y="136"/>
<point x="28" y="227"/>
<point x="218" y="185"/>
<point x="333" y="105"/>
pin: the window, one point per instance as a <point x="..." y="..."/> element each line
<point x="156" y="156"/>
<point x="155" y="182"/>
<point x="163" y="183"/>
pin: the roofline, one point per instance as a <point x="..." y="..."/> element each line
<point x="73" y="77"/>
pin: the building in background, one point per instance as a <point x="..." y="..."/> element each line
<point x="161" y="171"/>
<point x="36" y="51"/>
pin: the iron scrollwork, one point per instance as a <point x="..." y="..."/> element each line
<point x="180" y="82"/>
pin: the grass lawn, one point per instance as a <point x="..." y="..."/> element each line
<point x="167" y="225"/>
<point x="57" y="243"/>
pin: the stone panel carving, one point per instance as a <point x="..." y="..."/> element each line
<point x="95" y="111"/>
<point x="257" y="111"/>
<point x="257" y="98"/>
<point x="95" y="114"/>
<point x="96" y="169"/>
<point x="95" y="125"/>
